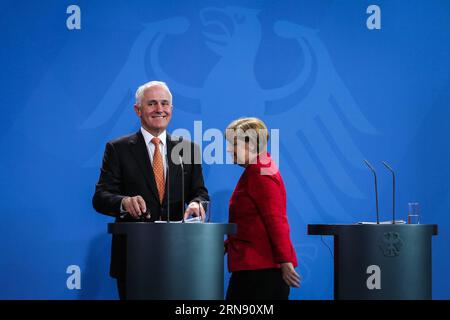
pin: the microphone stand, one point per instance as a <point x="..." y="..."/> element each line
<point x="376" y="188"/>
<point x="168" y="189"/>
<point x="393" y="190"/>
<point x="182" y="186"/>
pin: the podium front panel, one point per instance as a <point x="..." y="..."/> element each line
<point x="174" y="261"/>
<point x="380" y="261"/>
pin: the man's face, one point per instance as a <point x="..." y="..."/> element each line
<point x="155" y="109"/>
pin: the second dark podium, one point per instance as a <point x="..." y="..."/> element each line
<point x="384" y="261"/>
<point x="185" y="264"/>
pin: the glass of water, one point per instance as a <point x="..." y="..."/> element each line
<point x="413" y="213"/>
<point x="205" y="207"/>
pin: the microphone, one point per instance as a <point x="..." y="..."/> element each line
<point x="123" y="215"/>
<point x="376" y="188"/>
<point x="393" y="189"/>
<point x="168" y="189"/>
<point x="147" y="216"/>
<point x="182" y="186"/>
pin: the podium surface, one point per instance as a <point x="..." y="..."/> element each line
<point x="380" y="261"/>
<point x="174" y="261"/>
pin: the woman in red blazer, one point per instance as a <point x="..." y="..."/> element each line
<point x="261" y="257"/>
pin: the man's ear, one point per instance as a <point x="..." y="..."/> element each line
<point x="137" y="109"/>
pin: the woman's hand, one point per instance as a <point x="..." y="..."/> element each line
<point x="290" y="276"/>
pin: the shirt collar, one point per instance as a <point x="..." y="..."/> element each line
<point x="148" y="136"/>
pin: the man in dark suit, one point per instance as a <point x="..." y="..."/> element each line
<point x="133" y="180"/>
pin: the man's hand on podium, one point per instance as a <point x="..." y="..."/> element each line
<point x="135" y="206"/>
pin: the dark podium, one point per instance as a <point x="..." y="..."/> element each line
<point x="380" y="261"/>
<point x="187" y="263"/>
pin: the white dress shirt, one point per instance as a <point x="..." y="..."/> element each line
<point x="151" y="150"/>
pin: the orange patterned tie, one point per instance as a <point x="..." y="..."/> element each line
<point x="158" y="169"/>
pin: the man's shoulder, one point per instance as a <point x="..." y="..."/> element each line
<point x="125" y="139"/>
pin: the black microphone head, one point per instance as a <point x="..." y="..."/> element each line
<point x="387" y="166"/>
<point x="369" y="165"/>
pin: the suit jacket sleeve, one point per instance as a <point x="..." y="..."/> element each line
<point x="107" y="198"/>
<point x="197" y="190"/>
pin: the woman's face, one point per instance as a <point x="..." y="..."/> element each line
<point x="241" y="151"/>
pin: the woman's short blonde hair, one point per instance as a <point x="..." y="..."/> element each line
<point x="249" y="129"/>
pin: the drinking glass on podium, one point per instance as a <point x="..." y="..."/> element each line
<point x="205" y="207"/>
<point x="413" y="213"/>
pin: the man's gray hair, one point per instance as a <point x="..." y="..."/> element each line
<point x="140" y="91"/>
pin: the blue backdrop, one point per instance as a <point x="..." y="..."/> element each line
<point x="338" y="92"/>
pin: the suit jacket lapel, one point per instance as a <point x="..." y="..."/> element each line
<point x="140" y="153"/>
